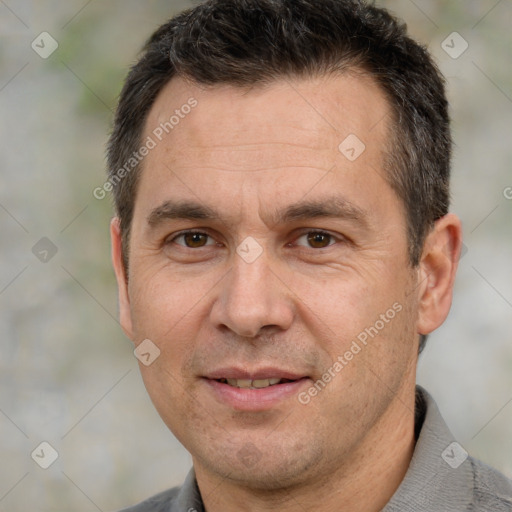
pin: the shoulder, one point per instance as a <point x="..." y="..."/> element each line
<point x="161" y="502"/>
<point x="491" y="489"/>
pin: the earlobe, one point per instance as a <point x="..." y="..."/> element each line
<point x="438" y="267"/>
<point x="122" y="279"/>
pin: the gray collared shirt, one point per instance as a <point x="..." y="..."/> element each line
<point x="441" y="476"/>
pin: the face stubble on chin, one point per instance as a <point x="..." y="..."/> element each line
<point x="297" y="308"/>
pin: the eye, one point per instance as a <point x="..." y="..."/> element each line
<point x="318" y="239"/>
<point x="192" y="239"/>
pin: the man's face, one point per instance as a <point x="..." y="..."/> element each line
<point x="272" y="287"/>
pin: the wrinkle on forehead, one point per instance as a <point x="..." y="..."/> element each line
<point x="305" y="116"/>
<point x="277" y="143"/>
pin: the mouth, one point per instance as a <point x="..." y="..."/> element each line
<point x="254" y="383"/>
<point x="254" y="391"/>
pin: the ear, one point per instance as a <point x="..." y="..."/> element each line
<point x="438" y="265"/>
<point x="125" y="317"/>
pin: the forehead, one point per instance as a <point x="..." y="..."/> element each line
<point x="314" y="115"/>
<point x="212" y="142"/>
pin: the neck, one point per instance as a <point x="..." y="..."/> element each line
<point x="365" y="481"/>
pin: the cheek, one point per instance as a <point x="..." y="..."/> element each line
<point x="165" y="310"/>
<point x="164" y="303"/>
<point x="387" y="337"/>
<point x="170" y="394"/>
<point x="367" y="320"/>
<point x="341" y="307"/>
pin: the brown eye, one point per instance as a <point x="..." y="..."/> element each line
<point x="192" y="239"/>
<point x="195" y="239"/>
<point x="318" y="240"/>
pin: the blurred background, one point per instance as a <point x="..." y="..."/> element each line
<point x="68" y="376"/>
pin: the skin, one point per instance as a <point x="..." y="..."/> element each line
<point x="299" y="305"/>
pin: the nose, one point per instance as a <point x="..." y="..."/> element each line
<point x="253" y="296"/>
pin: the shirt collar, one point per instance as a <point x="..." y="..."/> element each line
<point x="189" y="497"/>
<point x="440" y="475"/>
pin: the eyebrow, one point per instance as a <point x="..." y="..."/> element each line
<point x="327" y="207"/>
<point x="186" y="210"/>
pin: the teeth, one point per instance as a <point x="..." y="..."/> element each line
<point x="261" y="383"/>
<point x="242" y="383"/>
<point x="252" y="384"/>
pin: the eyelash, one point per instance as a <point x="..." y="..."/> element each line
<point x="317" y="232"/>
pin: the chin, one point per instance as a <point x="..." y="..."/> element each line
<point x="263" y="467"/>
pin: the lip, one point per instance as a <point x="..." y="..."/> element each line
<point x="253" y="400"/>
<point x="261" y="373"/>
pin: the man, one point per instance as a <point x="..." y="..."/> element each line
<point x="283" y="247"/>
